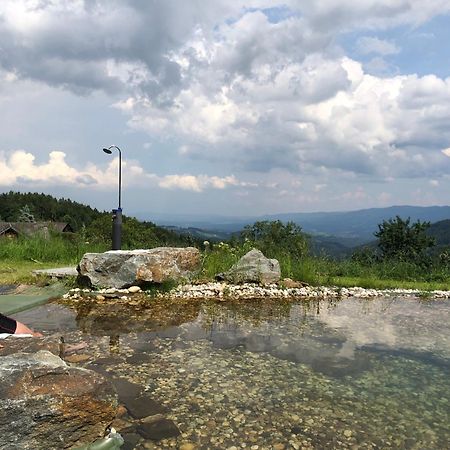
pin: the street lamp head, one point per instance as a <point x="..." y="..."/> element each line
<point x="107" y="150"/>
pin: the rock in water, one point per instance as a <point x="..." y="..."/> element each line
<point x="123" y="268"/>
<point x="46" y="404"/>
<point x="159" y="429"/>
<point x="254" y="267"/>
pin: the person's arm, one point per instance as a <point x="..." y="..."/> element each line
<point x="23" y="329"/>
<point x="12" y="326"/>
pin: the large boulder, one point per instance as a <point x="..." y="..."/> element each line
<point x="46" y="404"/>
<point x="254" y="267"/>
<point x="123" y="268"/>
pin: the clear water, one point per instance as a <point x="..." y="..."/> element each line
<point x="350" y="374"/>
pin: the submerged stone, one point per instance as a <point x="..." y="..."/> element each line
<point x="143" y="406"/>
<point x="44" y="403"/>
<point x="161" y="429"/>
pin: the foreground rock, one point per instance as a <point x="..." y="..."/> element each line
<point x="46" y="404"/>
<point x="123" y="268"/>
<point x="254" y="267"/>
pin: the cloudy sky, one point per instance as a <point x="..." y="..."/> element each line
<point x="227" y="107"/>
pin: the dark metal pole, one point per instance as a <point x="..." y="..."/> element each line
<point x="117" y="213"/>
<point x="117" y="229"/>
<point x="120" y="179"/>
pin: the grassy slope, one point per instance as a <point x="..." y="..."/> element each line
<point x="19" y="272"/>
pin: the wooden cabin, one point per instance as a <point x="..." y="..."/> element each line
<point x="13" y="230"/>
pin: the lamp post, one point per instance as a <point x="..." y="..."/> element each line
<point x="117" y="213"/>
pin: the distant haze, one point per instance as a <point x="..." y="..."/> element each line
<point x="360" y="224"/>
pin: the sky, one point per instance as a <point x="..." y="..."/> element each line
<point x="226" y="107"/>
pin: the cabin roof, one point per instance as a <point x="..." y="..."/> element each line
<point x="30" y="228"/>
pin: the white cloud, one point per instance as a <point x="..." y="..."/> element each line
<point x="296" y="117"/>
<point x="21" y="167"/>
<point x="197" y="183"/>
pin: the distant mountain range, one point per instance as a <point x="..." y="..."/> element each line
<point x="361" y="224"/>
<point x="358" y="226"/>
<point x="335" y="233"/>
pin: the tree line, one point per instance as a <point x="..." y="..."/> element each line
<point x="89" y="224"/>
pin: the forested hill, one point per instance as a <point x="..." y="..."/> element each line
<point x="441" y="233"/>
<point x="93" y="224"/>
<point x="45" y="207"/>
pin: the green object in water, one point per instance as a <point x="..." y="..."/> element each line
<point x="111" y="442"/>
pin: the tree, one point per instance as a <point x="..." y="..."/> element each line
<point x="25" y="215"/>
<point x="399" y="239"/>
<point x="275" y="237"/>
<point x="366" y="256"/>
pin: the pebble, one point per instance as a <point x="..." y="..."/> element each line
<point x="278" y="447"/>
<point x="76" y="358"/>
<point x="134" y="289"/>
<point x="187" y="446"/>
<point x="215" y="290"/>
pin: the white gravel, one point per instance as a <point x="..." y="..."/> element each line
<point x="225" y="290"/>
<point x="222" y="290"/>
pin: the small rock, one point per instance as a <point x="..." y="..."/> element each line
<point x="348" y="433"/>
<point x="76" y="358"/>
<point x="289" y="283"/>
<point x="100" y="297"/>
<point x="121" y="411"/>
<point x="154" y="418"/>
<point x="143" y="406"/>
<point x="124" y="388"/>
<point x="134" y="289"/>
<point x="131" y="439"/>
<point x="158" y="430"/>
<point x="187" y="446"/>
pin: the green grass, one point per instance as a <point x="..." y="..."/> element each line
<point x="54" y="250"/>
<point x="19" y="272"/>
<point x="376" y="283"/>
<point x="323" y="271"/>
<point x="19" y="257"/>
<point x="218" y="261"/>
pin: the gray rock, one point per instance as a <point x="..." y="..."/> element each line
<point x="123" y="268"/>
<point x="254" y="267"/>
<point x="44" y="403"/>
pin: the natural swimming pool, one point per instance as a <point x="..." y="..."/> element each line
<point x="263" y="374"/>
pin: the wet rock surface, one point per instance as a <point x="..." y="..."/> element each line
<point x="44" y="403"/>
<point x="123" y="268"/>
<point x="30" y="345"/>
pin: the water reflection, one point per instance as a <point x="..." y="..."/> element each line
<point x="318" y="374"/>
